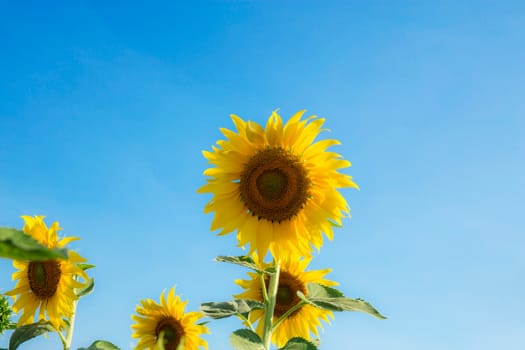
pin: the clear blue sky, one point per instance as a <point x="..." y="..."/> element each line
<point x="105" y="108"/>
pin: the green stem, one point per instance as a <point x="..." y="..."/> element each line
<point x="69" y="334"/>
<point x="62" y="339"/>
<point x="269" y="306"/>
<point x="287" y="313"/>
<point x="263" y="287"/>
<point x="245" y="319"/>
<point x="159" y="345"/>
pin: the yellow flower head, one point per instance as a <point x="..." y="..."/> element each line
<point x="293" y="278"/>
<point x="46" y="285"/>
<point x="168" y="317"/>
<point x="276" y="186"/>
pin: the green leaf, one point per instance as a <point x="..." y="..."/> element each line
<point x="27" y="332"/>
<point x="319" y="291"/>
<point x="88" y="289"/>
<point x="101" y="345"/>
<point x="230" y="308"/>
<point x="332" y="299"/>
<point x="298" y="343"/>
<point x="244" y="261"/>
<point x="245" y="339"/>
<point x="86" y="266"/>
<point x="15" y="244"/>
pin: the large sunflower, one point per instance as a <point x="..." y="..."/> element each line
<point x="46" y="285"/>
<point x="276" y="186"/>
<point x="293" y="278"/>
<point x="169" y="317"/>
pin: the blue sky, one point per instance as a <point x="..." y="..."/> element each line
<point x="105" y="109"/>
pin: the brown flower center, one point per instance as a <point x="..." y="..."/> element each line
<point x="287" y="290"/>
<point x="274" y="185"/>
<point x="173" y="332"/>
<point x="44" y="277"/>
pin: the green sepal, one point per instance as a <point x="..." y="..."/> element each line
<point x="245" y="339"/>
<point x="229" y="308"/>
<point x="328" y="298"/>
<point x="29" y="331"/>
<point x="316" y="342"/>
<point x="15" y="244"/>
<point x="101" y="345"/>
<point x="298" y="343"/>
<point x="335" y="223"/>
<point x="88" y="289"/>
<point x="85" y="267"/>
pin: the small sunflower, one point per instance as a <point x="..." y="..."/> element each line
<point x="276" y="186"/>
<point x="46" y="285"/>
<point x="169" y="317"/>
<point x="293" y="278"/>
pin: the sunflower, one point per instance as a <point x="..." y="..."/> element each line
<point x="275" y="186"/>
<point x="46" y="285"/>
<point x="168" y="317"/>
<point x="293" y="278"/>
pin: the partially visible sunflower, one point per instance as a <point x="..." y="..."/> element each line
<point x="293" y="278"/>
<point x="46" y="285"/>
<point x="276" y="186"/>
<point x="168" y="316"/>
<point x="5" y="314"/>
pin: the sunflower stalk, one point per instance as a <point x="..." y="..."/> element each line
<point x="269" y="306"/>
<point x="247" y="321"/>
<point x="62" y="339"/>
<point x="71" y="328"/>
